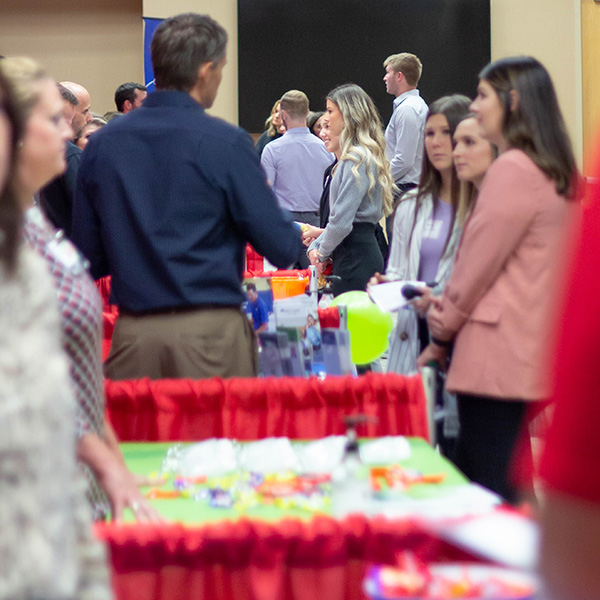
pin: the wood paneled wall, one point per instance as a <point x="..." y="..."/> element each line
<point x="590" y="54"/>
<point x="97" y="43"/>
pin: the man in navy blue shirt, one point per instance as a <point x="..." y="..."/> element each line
<point x="167" y="199"/>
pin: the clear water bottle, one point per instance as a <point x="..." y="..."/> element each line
<point x="350" y="489"/>
<point x="313" y="286"/>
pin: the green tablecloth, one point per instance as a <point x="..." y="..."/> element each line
<point x="146" y="458"/>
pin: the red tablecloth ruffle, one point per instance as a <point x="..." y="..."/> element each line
<point x="253" y="560"/>
<point x="247" y="409"/>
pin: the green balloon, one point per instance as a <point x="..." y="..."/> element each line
<point x="368" y="325"/>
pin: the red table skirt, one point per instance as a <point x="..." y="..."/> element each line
<point x="248" y="409"/>
<point x="253" y="560"/>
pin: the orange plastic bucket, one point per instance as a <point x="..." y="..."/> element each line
<point x="286" y="287"/>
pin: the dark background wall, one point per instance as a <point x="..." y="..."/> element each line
<point x="315" y="45"/>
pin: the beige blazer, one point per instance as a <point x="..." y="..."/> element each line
<point x="499" y="297"/>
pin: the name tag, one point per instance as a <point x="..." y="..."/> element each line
<point x="433" y="229"/>
<point x="67" y="254"/>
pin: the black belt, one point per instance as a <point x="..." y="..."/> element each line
<point x="174" y="310"/>
<point x="305" y="212"/>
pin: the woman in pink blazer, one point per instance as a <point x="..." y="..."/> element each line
<point x="496" y="304"/>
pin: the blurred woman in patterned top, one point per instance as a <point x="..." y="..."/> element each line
<point x="47" y="549"/>
<point x="111" y="487"/>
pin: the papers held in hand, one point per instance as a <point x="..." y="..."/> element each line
<point x="390" y="297"/>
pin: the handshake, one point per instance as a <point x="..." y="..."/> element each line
<point x="309" y="233"/>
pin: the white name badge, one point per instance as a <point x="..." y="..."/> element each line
<point x="433" y="229"/>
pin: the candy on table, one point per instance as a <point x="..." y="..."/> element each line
<point x="397" y="584"/>
<point x="512" y="589"/>
<point x="220" y="498"/>
<point x="276" y="489"/>
<point x="312" y="504"/>
<point x="244" y="489"/>
<point x="284" y="503"/>
<point x="247" y="499"/>
<point x="224" y="482"/>
<point x="412" y="578"/>
<point x="180" y="483"/>
<point x="282" y="477"/>
<point x="398" y="478"/>
<point x="292" y="484"/>
<point x="315" y="503"/>
<point x="158" y="494"/>
<point x="311" y="483"/>
<point x="464" y="587"/>
<point x="202" y="495"/>
<point x="255" y="479"/>
<point x="154" y="479"/>
<point x="196" y="480"/>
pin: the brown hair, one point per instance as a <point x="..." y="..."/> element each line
<point x="536" y="125"/>
<point x="454" y="108"/>
<point x="407" y="64"/>
<point x="295" y="103"/>
<point x="181" y="45"/>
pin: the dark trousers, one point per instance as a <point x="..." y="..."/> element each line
<point x="389" y="220"/>
<point x="312" y="218"/>
<point x="356" y="259"/>
<point x="489" y="431"/>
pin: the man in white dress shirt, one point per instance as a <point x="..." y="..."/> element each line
<point x="404" y="133"/>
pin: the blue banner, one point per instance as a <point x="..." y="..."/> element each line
<point x="150" y="26"/>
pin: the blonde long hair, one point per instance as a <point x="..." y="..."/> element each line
<point x="20" y="91"/>
<point x="24" y="76"/>
<point x="269" y="122"/>
<point x="362" y="138"/>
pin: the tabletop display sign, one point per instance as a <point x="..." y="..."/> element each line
<point x="275" y="356"/>
<point x="337" y="356"/>
<point x="298" y="318"/>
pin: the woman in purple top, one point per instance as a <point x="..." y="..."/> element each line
<point x="427" y="227"/>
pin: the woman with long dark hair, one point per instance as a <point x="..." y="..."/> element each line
<point x="496" y="304"/>
<point x="427" y="228"/>
<point x="360" y="192"/>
